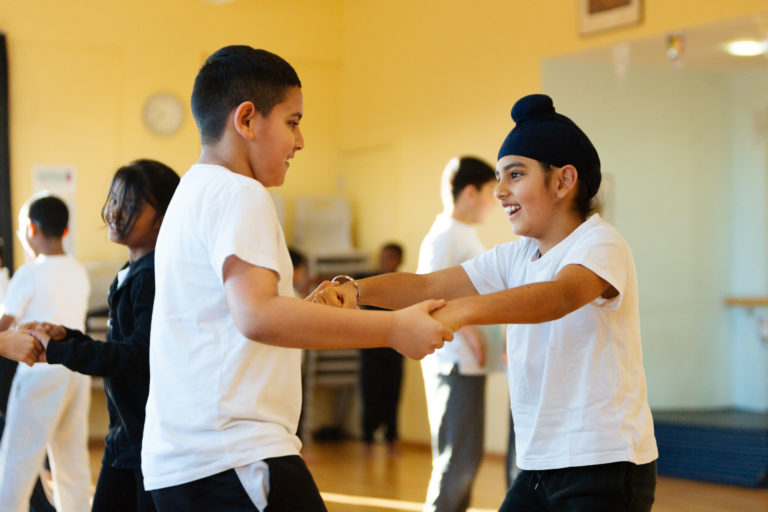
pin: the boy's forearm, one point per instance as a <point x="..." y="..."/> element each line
<point x="393" y="291"/>
<point x="573" y="287"/>
<point x="288" y="322"/>
<point x="528" y="304"/>
<point x="401" y="289"/>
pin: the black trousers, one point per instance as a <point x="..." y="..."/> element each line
<point x="121" y="490"/>
<point x="291" y="489"/>
<point x="615" y="487"/>
<point x="381" y="376"/>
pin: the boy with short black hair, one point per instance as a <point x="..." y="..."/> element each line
<point x="48" y="405"/>
<point x="225" y="392"/>
<point x="454" y="376"/>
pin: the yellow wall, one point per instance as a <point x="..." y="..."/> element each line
<point x="392" y="91"/>
<point x="425" y="80"/>
<point x="80" y="72"/>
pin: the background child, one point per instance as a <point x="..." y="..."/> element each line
<point x="568" y="290"/>
<point x="454" y="376"/>
<point x="302" y="284"/>
<point x="381" y="374"/>
<point x="220" y="430"/>
<point x="48" y="405"/>
<point x="134" y="209"/>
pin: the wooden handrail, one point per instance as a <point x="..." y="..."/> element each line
<point x="747" y="302"/>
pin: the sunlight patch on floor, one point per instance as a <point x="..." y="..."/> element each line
<point x="368" y="501"/>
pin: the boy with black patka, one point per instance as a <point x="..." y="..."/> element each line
<point x="225" y="392"/>
<point x="568" y="291"/>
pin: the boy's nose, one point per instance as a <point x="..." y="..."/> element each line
<point x="299" y="139"/>
<point x="499" y="192"/>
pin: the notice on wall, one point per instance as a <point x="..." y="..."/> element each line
<point x="60" y="181"/>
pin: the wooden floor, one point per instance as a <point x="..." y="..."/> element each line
<point x="351" y="482"/>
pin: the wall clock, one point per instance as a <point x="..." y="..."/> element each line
<point x="163" y="113"/>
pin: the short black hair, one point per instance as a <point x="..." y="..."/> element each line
<point x="297" y="258"/>
<point x="142" y="180"/>
<point x="471" y="171"/>
<point x="394" y="247"/>
<point x="50" y="214"/>
<point x="235" y="74"/>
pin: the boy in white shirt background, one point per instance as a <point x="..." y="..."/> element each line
<point x="454" y="376"/>
<point x="48" y="405"/>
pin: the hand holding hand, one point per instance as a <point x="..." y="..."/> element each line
<point x="322" y="286"/>
<point x="41" y="336"/>
<point x="21" y="346"/>
<point x="56" y="332"/>
<point x="415" y="334"/>
<point x="335" y="294"/>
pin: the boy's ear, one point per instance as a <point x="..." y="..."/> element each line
<point x="65" y="233"/>
<point x="566" y="180"/>
<point x="32" y="227"/>
<point x="469" y="192"/>
<point x="243" y="117"/>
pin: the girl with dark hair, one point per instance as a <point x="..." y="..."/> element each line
<point x="134" y="209"/>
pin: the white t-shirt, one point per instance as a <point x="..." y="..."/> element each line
<point x="216" y="399"/>
<point x="448" y="243"/>
<point x="4" y="280"/>
<point x="577" y="385"/>
<point x="51" y="289"/>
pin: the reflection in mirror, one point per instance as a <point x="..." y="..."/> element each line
<point x="680" y="126"/>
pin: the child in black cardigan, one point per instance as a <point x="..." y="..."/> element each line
<point x="137" y="200"/>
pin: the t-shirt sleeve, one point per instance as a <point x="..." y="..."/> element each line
<point x="487" y="271"/>
<point x="606" y="254"/>
<point x="245" y="226"/>
<point x="20" y="291"/>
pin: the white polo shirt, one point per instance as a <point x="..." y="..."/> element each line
<point x="577" y="384"/>
<point x="216" y="399"/>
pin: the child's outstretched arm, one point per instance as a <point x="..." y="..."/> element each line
<point x="20" y="346"/>
<point x="573" y="287"/>
<point x="399" y="289"/>
<point x="261" y="314"/>
<point x="126" y="356"/>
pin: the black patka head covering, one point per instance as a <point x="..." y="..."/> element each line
<point x="545" y="135"/>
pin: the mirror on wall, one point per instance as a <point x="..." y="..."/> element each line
<point x="680" y="125"/>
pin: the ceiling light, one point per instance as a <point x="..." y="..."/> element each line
<point x="746" y="48"/>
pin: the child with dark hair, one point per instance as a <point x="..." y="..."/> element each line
<point x="568" y="291"/>
<point x="134" y="209"/>
<point x="301" y="279"/>
<point x="48" y="406"/>
<point x="381" y="374"/>
<point x="225" y="393"/>
<point x="454" y="376"/>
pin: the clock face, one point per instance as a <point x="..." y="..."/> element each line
<point x="163" y="113"/>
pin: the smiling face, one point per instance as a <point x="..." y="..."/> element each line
<point x="524" y="194"/>
<point x="129" y="222"/>
<point x="276" y="138"/>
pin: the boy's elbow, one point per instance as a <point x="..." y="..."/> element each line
<point x="251" y="326"/>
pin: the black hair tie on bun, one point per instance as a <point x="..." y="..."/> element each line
<point x="543" y="134"/>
